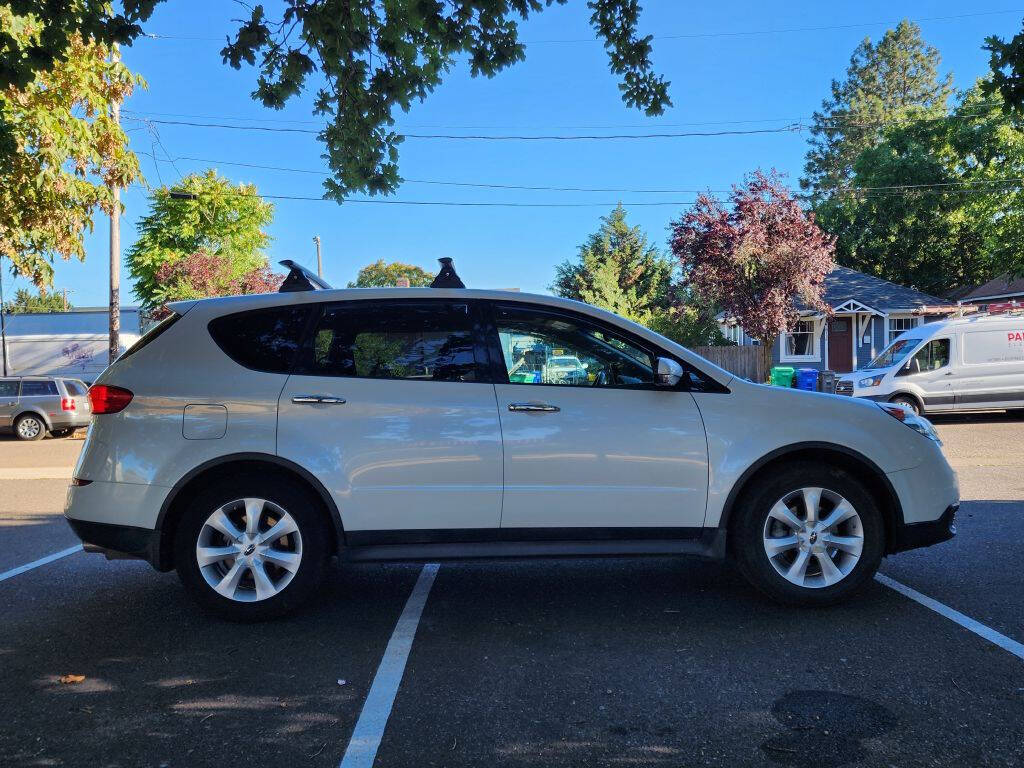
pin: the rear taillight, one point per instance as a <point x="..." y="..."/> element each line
<point x="67" y="403"/>
<point x="106" y="399"/>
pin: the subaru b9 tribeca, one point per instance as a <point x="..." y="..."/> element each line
<point x="246" y="441"/>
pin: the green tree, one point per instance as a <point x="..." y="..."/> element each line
<point x="367" y="58"/>
<point x="204" y="213"/>
<point x="61" y="150"/>
<point x="935" y="204"/>
<point x="383" y="274"/>
<point x="25" y="302"/>
<point x="618" y="270"/>
<point x="896" y="79"/>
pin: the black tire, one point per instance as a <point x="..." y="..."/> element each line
<point x="313" y="527"/>
<point x="748" y="525"/>
<point x="908" y="402"/>
<point x="23" y="427"/>
<point x="64" y="432"/>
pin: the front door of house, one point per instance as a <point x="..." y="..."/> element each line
<point x="840" y="344"/>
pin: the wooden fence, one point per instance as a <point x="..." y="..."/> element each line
<point x="748" y="362"/>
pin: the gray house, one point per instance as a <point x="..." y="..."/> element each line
<point x="867" y="313"/>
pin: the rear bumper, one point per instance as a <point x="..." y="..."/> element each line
<point x="917" y="535"/>
<point x="117" y="541"/>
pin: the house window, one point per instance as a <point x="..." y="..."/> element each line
<point x="800" y="344"/>
<point x="898" y="325"/>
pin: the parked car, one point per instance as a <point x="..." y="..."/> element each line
<point x="32" y="406"/>
<point x="965" y="363"/>
<point x="564" y="369"/>
<point x="246" y="440"/>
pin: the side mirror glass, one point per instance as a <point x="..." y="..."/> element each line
<point x="669" y="372"/>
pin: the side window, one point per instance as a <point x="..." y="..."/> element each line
<point x="262" y="339"/>
<point x="931" y="357"/>
<point x="37" y="388"/>
<point x="8" y="388"/>
<point x="428" y="341"/>
<point x="543" y="348"/>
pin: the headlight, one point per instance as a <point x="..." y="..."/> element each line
<point x="917" y="423"/>
<point x="874" y="381"/>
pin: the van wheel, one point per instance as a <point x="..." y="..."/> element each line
<point x="809" y="535"/>
<point x="29" y="427"/>
<point x="907" y="402"/>
<point x="252" y="548"/>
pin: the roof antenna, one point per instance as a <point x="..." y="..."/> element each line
<point x="447" y="278"/>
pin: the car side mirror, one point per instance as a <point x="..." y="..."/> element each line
<point x="669" y="372"/>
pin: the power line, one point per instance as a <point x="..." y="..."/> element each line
<point x="697" y="35"/>
<point x="494" y="137"/>
<point x="952" y="185"/>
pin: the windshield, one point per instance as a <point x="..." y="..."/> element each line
<point x="894" y="354"/>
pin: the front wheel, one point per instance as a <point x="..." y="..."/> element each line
<point x="809" y="535"/>
<point x="907" y="402"/>
<point x="251" y="548"/>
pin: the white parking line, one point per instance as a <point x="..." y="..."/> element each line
<point x="41" y="561"/>
<point x="1004" y="642"/>
<point x="366" y="736"/>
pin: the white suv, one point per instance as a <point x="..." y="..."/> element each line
<point x="247" y="440"/>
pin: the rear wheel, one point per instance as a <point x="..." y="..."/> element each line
<point x="252" y="548"/>
<point x="29" y="427"/>
<point x="809" y="535"/>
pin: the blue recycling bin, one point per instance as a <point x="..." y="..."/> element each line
<point x="807" y="378"/>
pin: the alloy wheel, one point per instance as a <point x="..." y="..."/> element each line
<point x="813" y="537"/>
<point x="249" y="550"/>
<point x="29" y="427"/>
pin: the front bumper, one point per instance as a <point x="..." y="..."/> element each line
<point x="917" y="535"/>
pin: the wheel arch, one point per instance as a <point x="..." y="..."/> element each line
<point x="854" y="462"/>
<point x="34" y="412"/>
<point x="225" y="466"/>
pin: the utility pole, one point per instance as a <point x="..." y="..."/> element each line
<point x="319" y="260"/>
<point x="115" y="262"/>
<point x="3" y="320"/>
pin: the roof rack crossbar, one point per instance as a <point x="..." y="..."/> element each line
<point x="301" y="279"/>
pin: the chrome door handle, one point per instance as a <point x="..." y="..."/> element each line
<point x="318" y="400"/>
<point x="534" y="407"/>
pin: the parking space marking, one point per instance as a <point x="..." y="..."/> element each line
<point x="366" y="736"/>
<point x="1004" y="642"/>
<point x="41" y="561"/>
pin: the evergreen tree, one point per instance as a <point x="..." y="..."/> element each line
<point x="618" y="270"/>
<point x="894" y="80"/>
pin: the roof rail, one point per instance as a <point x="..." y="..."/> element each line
<point x="300" y="279"/>
<point x="447" y="278"/>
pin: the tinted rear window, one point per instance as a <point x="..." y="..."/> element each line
<point x="262" y="339"/>
<point x="75" y="388"/>
<point x="35" y="388"/>
<point x="8" y="388"/>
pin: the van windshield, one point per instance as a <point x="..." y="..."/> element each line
<point x="894" y="354"/>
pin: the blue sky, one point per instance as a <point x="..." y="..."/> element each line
<point x="563" y="87"/>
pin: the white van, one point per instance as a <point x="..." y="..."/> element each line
<point x="960" y="364"/>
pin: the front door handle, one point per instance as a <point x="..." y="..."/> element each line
<point x="318" y="400"/>
<point x="534" y="407"/>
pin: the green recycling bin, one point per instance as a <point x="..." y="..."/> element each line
<point x="782" y="375"/>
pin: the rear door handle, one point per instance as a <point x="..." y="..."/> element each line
<point x="534" y="407"/>
<point x="318" y="400"/>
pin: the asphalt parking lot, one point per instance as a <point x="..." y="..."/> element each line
<point x="654" y="661"/>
